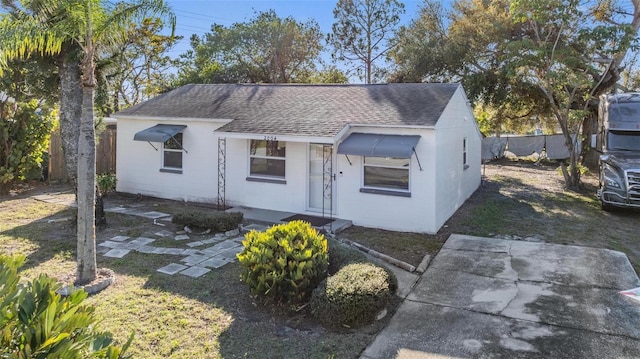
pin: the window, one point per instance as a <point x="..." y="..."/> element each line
<point x="172" y="153"/>
<point x="464" y="153"/>
<point x="267" y="159"/>
<point x="387" y="173"/>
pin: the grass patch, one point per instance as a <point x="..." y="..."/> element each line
<point x="408" y="247"/>
<point x="175" y="316"/>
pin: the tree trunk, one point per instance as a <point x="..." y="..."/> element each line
<point x="70" y="112"/>
<point x="86" y="270"/>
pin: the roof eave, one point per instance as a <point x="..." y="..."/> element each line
<point x="171" y="119"/>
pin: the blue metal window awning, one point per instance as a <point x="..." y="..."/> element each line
<point x="376" y="145"/>
<point x="158" y="133"/>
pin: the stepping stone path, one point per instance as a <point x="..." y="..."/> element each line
<point x="220" y="250"/>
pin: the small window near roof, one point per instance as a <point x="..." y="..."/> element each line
<point x="267" y="159"/>
<point x="386" y="173"/>
<point x="172" y="153"/>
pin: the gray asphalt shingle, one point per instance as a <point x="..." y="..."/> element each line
<point x="306" y="110"/>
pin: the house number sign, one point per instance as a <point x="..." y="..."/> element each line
<point x="270" y="138"/>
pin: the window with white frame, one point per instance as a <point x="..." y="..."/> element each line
<point x="172" y="152"/>
<point x="386" y="173"/>
<point x="464" y="153"/>
<point x="267" y="159"/>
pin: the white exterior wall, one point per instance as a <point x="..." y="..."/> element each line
<point x="412" y="214"/>
<point x="289" y="197"/>
<point x="138" y="166"/>
<point x="454" y="183"/>
<point x="437" y="190"/>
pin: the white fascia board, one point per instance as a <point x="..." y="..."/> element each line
<point x="276" y="137"/>
<point x="173" y="119"/>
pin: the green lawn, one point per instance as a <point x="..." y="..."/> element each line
<point x="172" y="316"/>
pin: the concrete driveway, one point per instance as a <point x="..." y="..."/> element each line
<point x="491" y="298"/>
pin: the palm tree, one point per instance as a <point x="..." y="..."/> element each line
<point x="50" y="28"/>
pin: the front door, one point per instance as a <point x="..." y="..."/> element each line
<point x="321" y="179"/>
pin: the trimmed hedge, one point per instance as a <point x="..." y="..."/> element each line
<point x="285" y="263"/>
<point x="341" y="254"/>
<point x="215" y="221"/>
<point x="353" y="296"/>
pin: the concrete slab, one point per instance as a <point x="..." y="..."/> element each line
<point x="164" y="233"/>
<point x="419" y="330"/>
<point x="119" y="238"/>
<point x="489" y="298"/>
<point x="195" y="259"/>
<point x="175" y="251"/>
<point x="262" y="215"/>
<point x="476" y="244"/>
<point x="146" y="249"/>
<point x="142" y="241"/>
<point x="195" y="244"/>
<point x="172" y="268"/>
<point x="215" y="262"/>
<point x="230" y="252"/>
<point x="181" y="237"/>
<point x="110" y="244"/>
<point x="117" y="253"/>
<point x="214" y="250"/>
<point x="191" y="251"/>
<point x="195" y="272"/>
<point x="152" y="214"/>
<point x="255" y="227"/>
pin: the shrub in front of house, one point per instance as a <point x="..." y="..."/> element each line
<point x="215" y="221"/>
<point x="36" y="322"/>
<point x="353" y="296"/>
<point x="284" y="263"/>
<point x="341" y="254"/>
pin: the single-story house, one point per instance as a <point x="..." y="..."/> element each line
<point x="394" y="156"/>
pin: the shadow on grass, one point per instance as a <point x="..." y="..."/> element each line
<point x="49" y="238"/>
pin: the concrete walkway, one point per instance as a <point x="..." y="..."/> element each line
<point x="491" y="298"/>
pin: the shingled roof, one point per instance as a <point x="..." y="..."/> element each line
<point x="305" y="110"/>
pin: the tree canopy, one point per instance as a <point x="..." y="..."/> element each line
<point x="542" y="61"/>
<point x="362" y="33"/>
<point x="266" y="49"/>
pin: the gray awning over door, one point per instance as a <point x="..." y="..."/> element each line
<point x="158" y="133"/>
<point x="376" y="145"/>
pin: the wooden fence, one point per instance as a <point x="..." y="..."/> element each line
<point x="105" y="155"/>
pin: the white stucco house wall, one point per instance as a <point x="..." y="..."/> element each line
<point x="394" y="156"/>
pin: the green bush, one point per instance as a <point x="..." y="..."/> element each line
<point x="341" y="254"/>
<point x="285" y="263"/>
<point x="36" y="322"/>
<point x="215" y="221"/>
<point x="353" y="296"/>
<point x="106" y="183"/>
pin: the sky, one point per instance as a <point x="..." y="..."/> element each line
<point x="197" y="16"/>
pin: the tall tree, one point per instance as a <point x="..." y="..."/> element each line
<point x="556" y="55"/>
<point x="88" y="24"/>
<point x="135" y="70"/>
<point x="22" y="16"/>
<point x="490" y="46"/>
<point x="266" y="49"/>
<point x="362" y="33"/>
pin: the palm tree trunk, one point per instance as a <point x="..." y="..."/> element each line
<point x="86" y="270"/>
<point x="70" y="112"/>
